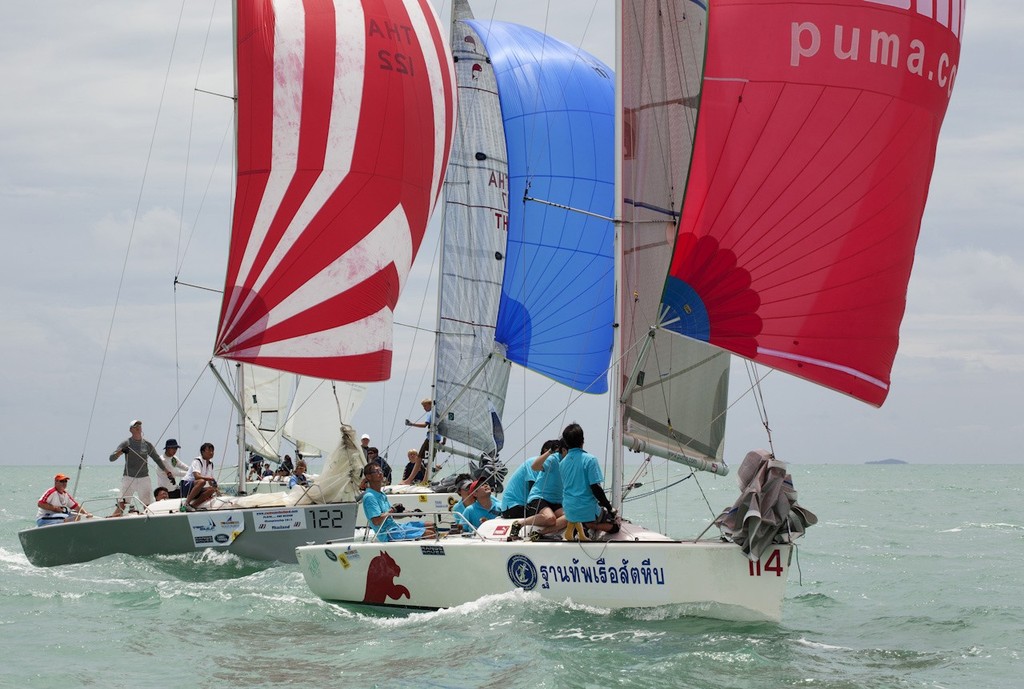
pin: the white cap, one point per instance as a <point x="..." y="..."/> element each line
<point x="134" y="423"/>
<point x="365" y="437"/>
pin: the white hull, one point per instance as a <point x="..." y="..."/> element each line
<point x="259" y="533"/>
<point x="639" y="569"/>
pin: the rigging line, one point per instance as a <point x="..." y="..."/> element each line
<point x="188" y="141"/>
<point x="131" y="234"/>
<point x="655" y="491"/>
<point x="178" y="253"/>
<point x="762" y="407"/>
<point x="229" y="427"/>
<point x="412" y="351"/>
<point x="573" y="395"/>
<point x="214" y="93"/>
<point x="206" y="192"/>
<point x="181" y="403"/>
<point x="177" y="358"/>
<point x="415" y="327"/>
<point x="189" y="284"/>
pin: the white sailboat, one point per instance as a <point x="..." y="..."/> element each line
<point x="344" y="121"/>
<point x="805" y="182"/>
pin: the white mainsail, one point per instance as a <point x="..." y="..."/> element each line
<point x="471" y="369"/>
<point x="674" y="390"/>
<point x="265" y="399"/>
<point x="317" y="411"/>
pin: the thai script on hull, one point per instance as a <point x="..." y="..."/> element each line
<point x="601" y="573"/>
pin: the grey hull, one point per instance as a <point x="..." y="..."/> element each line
<point x="170" y="534"/>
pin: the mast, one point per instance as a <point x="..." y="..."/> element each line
<point x="432" y="424"/>
<point x="616" y="384"/>
<point x="240" y="430"/>
<point x="240" y="391"/>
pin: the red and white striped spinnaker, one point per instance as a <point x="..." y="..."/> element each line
<point x="345" y="123"/>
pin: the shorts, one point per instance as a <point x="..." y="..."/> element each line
<point x="409" y="531"/>
<point x="540" y="503"/>
<point x="185" y="487"/>
<point x="50" y="521"/>
<point x="139" y="486"/>
<point x="514" y="512"/>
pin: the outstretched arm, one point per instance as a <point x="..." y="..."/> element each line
<point x="538" y="463"/>
<point x="121" y="450"/>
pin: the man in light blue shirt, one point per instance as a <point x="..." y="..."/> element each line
<point x="485" y="505"/>
<point x="544" y="503"/>
<point x="378" y="511"/>
<point x="582" y="494"/>
<point x="517" y="489"/>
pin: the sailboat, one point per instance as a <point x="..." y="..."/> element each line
<point x="773" y="166"/>
<point x="345" y="117"/>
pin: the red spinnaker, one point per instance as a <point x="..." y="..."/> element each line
<point x="345" y="123"/>
<point x="816" y="139"/>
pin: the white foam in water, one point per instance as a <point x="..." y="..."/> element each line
<point x="815" y="644"/>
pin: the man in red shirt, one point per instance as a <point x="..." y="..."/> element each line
<point x="56" y="506"/>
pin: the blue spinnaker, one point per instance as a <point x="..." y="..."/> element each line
<point x="558" y="104"/>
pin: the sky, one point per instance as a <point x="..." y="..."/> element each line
<point x="115" y="178"/>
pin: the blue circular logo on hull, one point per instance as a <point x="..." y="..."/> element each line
<point x="522" y="572"/>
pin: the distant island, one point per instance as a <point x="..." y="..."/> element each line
<point x="887" y="461"/>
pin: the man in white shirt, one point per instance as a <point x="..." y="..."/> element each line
<point x="177" y="469"/>
<point x="199" y="484"/>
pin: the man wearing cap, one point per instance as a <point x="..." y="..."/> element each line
<point x="462" y="485"/>
<point x="56" y="505"/>
<point x="364" y="444"/>
<point x="177" y="468"/>
<point x="428" y="407"/>
<point x="373" y="457"/>
<point x="485" y="506"/>
<point x="135" y="451"/>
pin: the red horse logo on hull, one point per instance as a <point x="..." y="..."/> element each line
<point x="380" y="580"/>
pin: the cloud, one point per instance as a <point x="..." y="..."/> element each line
<point x="966" y="311"/>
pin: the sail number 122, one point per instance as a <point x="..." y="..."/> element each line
<point x="328" y="519"/>
<point x="772" y="564"/>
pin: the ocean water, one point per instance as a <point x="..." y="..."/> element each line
<point x="912" y="578"/>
